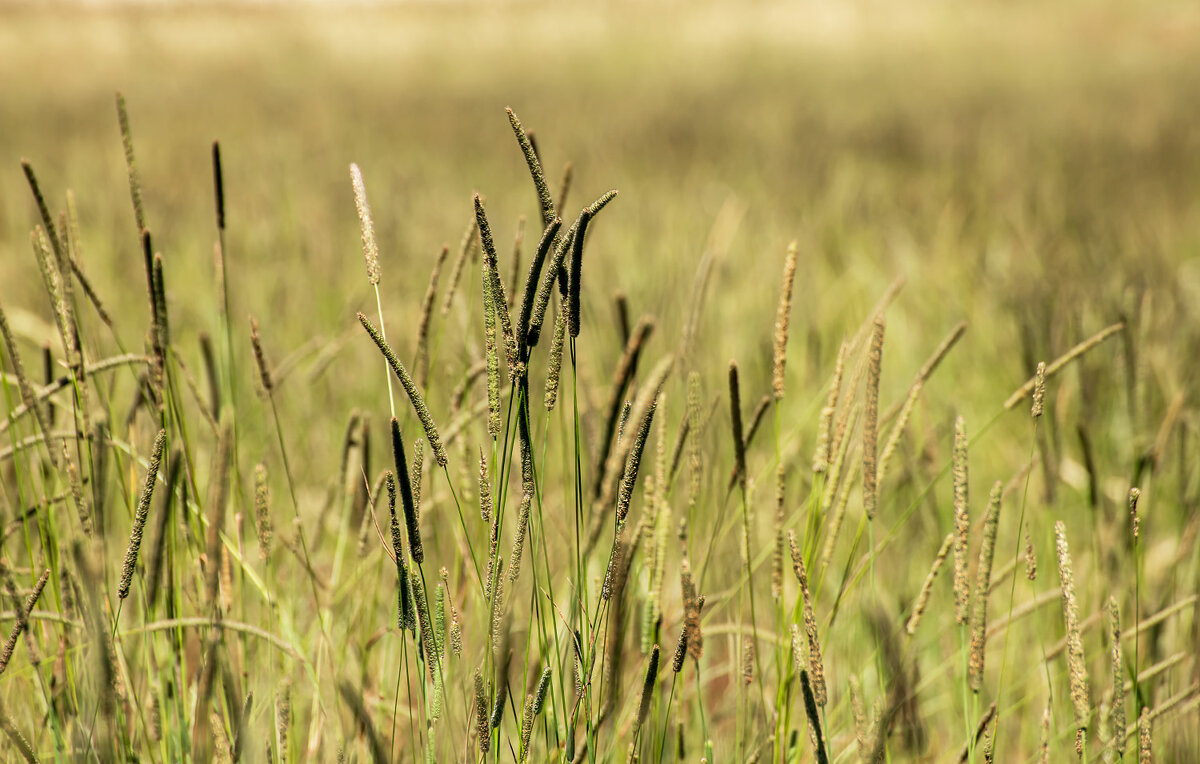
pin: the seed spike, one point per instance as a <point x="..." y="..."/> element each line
<point x="983" y="580"/>
<point x="406" y="495"/>
<point x="535" y="168"/>
<point x="962" y="523"/>
<point x="783" y="317"/>
<point x="139" y="518"/>
<point x="414" y="395"/>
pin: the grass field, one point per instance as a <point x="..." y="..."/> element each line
<point x="998" y="182"/>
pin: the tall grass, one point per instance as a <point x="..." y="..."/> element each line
<point x="323" y="612"/>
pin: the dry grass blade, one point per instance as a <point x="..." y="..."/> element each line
<point x="1058" y="363"/>
<point x="353" y="698"/>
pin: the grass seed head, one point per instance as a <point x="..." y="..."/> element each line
<point x="983" y="580"/>
<point x="962" y="523"/>
<point x="410" y="387"/>
<point x="1076" y="665"/>
<point x="367" y="225"/>
<point x="139" y="517"/>
<point x="871" y="421"/>
<point x="1117" y="713"/>
<point x="822" y="455"/>
<point x="783" y="317"/>
<point x="1039" y="390"/>
<point x="262" y="513"/>
<point x="1134" y="519"/>
<point x="922" y="600"/>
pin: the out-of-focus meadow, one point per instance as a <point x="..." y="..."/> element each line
<point x="1032" y="169"/>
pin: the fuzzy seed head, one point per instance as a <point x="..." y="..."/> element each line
<point x="822" y="454"/>
<point x="262" y="513"/>
<point x="554" y="365"/>
<point x="139" y="518"/>
<point x="922" y="600"/>
<point x="1134" y="519"/>
<point x="367" y="224"/>
<point x="543" y="688"/>
<point x="962" y="523"/>
<point x="983" y="579"/>
<point x="1039" y="390"/>
<point x="648" y="686"/>
<point x="1145" y="737"/>
<point x="1117" y="712"/>
<point x="1076" y="666"/>
<point x="783" y="318"/>
<point x="485" y="491"/>
<point x="482" y="728"/>
<point x="692" y="605"/>
<point x="1031" y="569"/>
<point x="871" y="421"/>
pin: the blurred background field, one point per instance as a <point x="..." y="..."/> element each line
<point x="1031" y="168"/>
